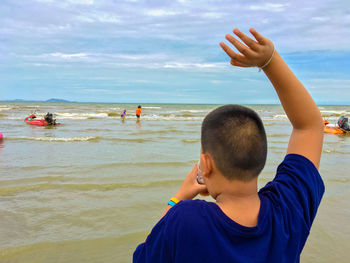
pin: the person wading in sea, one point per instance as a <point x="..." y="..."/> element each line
<point x="138" y="112"/>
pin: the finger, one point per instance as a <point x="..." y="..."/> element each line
<point x="193" y="172"/>
<point x="231" y="53"/>
<point x="246" y="40"/>
<point x="238" y="64"/>
<point x="260" y="38"/>
<point x="240" y="47"/>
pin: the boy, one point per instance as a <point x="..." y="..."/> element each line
<point x="245" y="225"/>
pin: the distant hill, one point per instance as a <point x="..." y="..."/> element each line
<point x="57" y="100"/>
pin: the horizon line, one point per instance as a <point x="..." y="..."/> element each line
<point x="160" y="103"/>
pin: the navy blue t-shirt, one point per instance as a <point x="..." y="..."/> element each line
<point x="198" y="231"/>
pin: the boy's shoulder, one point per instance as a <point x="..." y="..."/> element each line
<point x="297" y="188"/>
<point x="189" y="207"/>
<point x="189" y="212"/>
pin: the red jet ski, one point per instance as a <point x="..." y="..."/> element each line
<point x="47" y="121"/>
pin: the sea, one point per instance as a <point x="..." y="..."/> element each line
<point x="92" y="188"/>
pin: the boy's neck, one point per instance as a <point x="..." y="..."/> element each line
<point x="237" y="190"/>
<point x="240" y="202"/>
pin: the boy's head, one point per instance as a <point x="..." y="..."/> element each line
<point x="139" y="106"/>
<point x="235" y="138"/>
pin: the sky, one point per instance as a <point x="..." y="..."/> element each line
<point x="162" y="51"/>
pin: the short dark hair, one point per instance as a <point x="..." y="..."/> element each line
<point x="235" y="137"/>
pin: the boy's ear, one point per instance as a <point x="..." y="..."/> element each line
<point x="208" y="165"/>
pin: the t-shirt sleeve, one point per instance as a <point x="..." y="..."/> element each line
<point x="156" y="247"/>
<point x="297" y="185"/>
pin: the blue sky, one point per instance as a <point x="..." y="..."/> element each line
<point x="167" y="51"/>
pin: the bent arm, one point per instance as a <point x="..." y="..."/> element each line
<point x="307" y="135"/>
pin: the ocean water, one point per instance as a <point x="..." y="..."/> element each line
<point x="91" y="189"/>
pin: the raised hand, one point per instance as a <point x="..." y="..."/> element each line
<point x="253" y="54"/>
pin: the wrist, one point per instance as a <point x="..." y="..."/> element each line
<point x="182" y="196"/>
<point x="268" y="61"/>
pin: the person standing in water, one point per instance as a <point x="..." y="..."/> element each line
<point x="123" y="115"/>
<point x="138" y="112"/>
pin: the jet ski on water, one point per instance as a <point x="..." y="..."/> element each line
<point x="47" y="121"/>
<point x="342" y="127"/>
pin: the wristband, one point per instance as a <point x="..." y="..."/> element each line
<point x="173" y="201"/>
<point x="268" y="62"/>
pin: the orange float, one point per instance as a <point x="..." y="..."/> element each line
<point x="332" y="129"/>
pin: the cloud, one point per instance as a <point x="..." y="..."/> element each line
<point x="99" y="17"/>
<point x="189" y="66"/>
<point x="68" y="56"/>
<point x="320" y="18"/>
<point x="213" y="15"/>
<point x="269" y="7"/>
<point x="161" y="12"/>
<point x="81" y="2"/>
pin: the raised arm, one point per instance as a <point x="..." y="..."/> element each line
<point x="307" y="135"/>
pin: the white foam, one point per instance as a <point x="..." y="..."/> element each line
<point x="151" y="107"/>
<point x="343" y="112"/>
<point x="13" y="118"/>
<point x="169" y="118"/>
<point x="5" y="107"/>
<point x="280" y="116"/>
<point x="55" y="139"/>
<point x="79" y="116"/>
<point x="194" y="111"/>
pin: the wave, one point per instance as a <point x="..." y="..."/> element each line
<point x="191" y="140"/>
<point x="32" y="179"/>
<point x="113" y="114"/>
<point x="16" y="107"/>
<point x="280" y="116"/>
<point x="333" y="113"/>
<point x="338" y="180"/>
<point x="149" y="107"/>
<point x="164" y="132"/>
<point x="79" y="116"/>
<point x="334" y="151"/>
<point x="3" y="108"/>
<point x="170" y="118"/>
<point x="139" y="140"/>
<point x="81" y="139"/>
<point x="10" y="191"/>
<point x="146" y="164"/>
<point x="269" y="135"/>
<point x="270" y="124"/>
<point x="56" y="139"/>
<point x="283" y="142"/>
<point x="27" y="107"/>
<point x="14" y="118"/>
<point x="98" y="130"/>
<point x="195" y="111"/>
